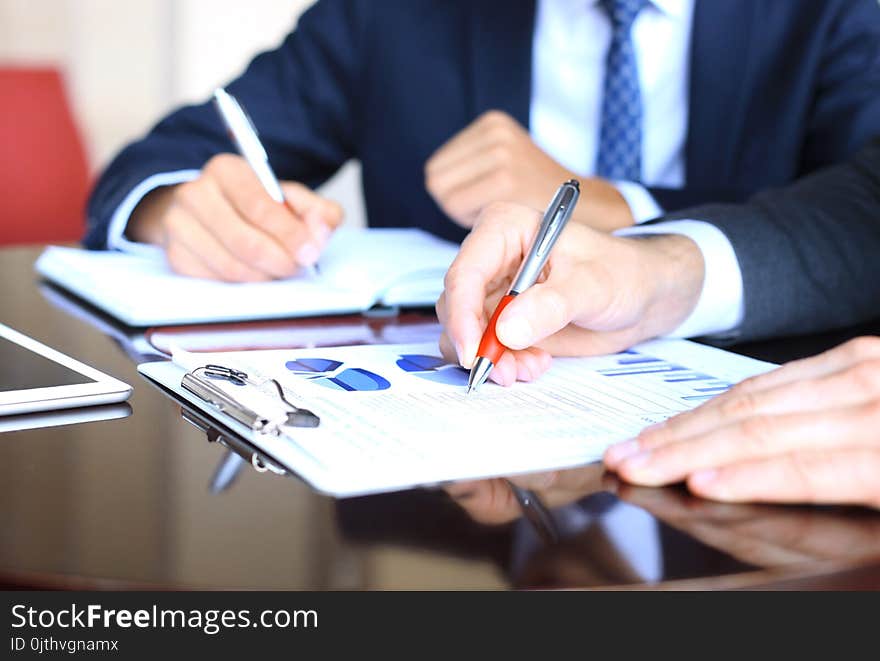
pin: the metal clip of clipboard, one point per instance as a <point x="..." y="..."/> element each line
<point x="198" y="382"/>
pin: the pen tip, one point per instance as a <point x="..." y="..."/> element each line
<point x="470" y="387"/>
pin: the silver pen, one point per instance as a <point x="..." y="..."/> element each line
<point x="244" y="135"/>
<point x="535" y="512"/>
<point x="555" y="219"/>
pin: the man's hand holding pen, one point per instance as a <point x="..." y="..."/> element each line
<point x="223" y="225"/>
<point x="236" y="221"/>
<point x="597" y="294"/>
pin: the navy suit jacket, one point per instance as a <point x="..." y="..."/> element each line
<point x="777" y="89"/>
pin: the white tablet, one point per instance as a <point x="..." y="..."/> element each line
<point x="34" y="377"/>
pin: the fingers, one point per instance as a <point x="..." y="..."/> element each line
<point x="301" y="226"/>
<point x="537" y="313"/>
<point x="321" y="217"/>
<point x="488" y="258"/>
<point x="192" y="250"/>
<point x="574" y="291"/>
<point x="185" y="262"/>
<point x="524" y="365"/>
<point x="531" y="363"/>
<point x="842" y="388"/>
<point x="447" y="350"/>
<point x="305" y="201"/>
<point x="225" y="225"/>
<point x="480" y="165"/>
<point x="204" y="201"/>
<point x="474" y="138"/>
<point x="504" y="371"/>
<point x="486" y="501"/>
<point x="443" y="177"/>
<point x="753" y="438"/>
<point x="840" y="357"/>
<point x="246" y="196"/>
<point x="856" y="384"/>
<point x="822" y="476"/>
<point x="465" y="202"/>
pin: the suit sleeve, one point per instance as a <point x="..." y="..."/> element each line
<point x="846" y="104"/>
<point x="844" y="113"/>
<point x="809" y="254"/>
<point x="300" y="97"/>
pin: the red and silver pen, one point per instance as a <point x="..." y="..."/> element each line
<point x="554" y="221"/>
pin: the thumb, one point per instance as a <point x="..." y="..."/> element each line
<point x="535" y="315"/>
<point x="539" y="312"/>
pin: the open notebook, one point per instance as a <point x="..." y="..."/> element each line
<point x="360" y="268"/>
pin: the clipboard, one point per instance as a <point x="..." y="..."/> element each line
<point x="239" y="453"/>
<point x="256" y="436"/>
<point x="199" y="383"/>
<point x="397" y="417"/>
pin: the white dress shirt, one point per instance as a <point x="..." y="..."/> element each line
<point x="571" y="39"/>
<point x="570" y="43"/>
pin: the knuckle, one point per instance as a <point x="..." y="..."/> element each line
<point x="218" y="163"/>
<point x="440" y="307"/>
<point x="758" y="432"/>
<point x="174" y="257"/>
<point x="335" y="210"/>
<point x="494" y="117"/>
<point x="249" y="247"/>
<point x="498" y="211"/>
<point x="866" y="376"/>
<point x="863" y="347"/>
<point x="494" y="216"/>
<point x="499" y="132"/>
<point x="454" y="206"/>
<point x="741" y="406"/>
<point x="187" y="194"/>
<point x="502" y="182"/>
<point x="872" y="411"/>
<point x="173" y="224"/>
<point x="804" y="472"/>
<point x="298" y="188"/>
<point x="258" y="209"/>
<point x="451" y="276"/>
<point x="432" y="182"/>
<point x="558" y="306"/>
<point x="232" y="271"/>
<point x="752" y="384"/>
<point x="501" y="154"/>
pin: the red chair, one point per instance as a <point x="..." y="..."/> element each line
<point x="44" y="175"/>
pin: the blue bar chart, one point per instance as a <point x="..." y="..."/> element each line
<point x="695" y="386"/>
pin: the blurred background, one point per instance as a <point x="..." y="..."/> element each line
<point x="123" y="64"/>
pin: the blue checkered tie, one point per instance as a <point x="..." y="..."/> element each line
<point x="620" y="135"/>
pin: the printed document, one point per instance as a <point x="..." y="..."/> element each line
<point x="397" y="416"/>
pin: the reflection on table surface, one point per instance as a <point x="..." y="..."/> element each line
<point x="609" y="533"/>
<point x="147" y="499"/>
<point x="63" y="417"/>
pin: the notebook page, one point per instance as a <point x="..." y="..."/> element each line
<point x="397" y="266"/>
<point x="357" y="267"/>
<point x="398" y="416"/>
<point x="142" y="291"/>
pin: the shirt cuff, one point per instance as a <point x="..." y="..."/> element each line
<point x="641" y="203"/>
<point x="116" y="239"/>
<point x="720" y="308"/>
